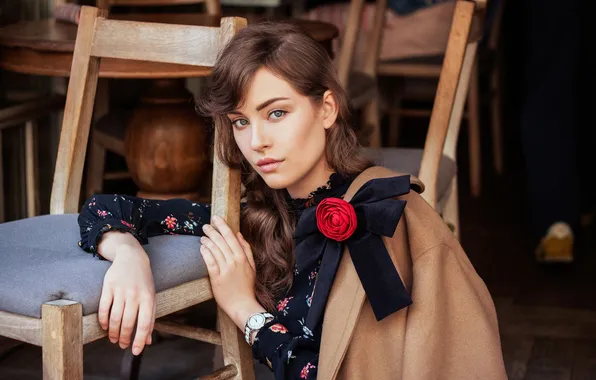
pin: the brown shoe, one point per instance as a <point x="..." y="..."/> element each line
<point x="557" y="245"/>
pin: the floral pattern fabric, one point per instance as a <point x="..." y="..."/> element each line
<point x="285" y="344"/>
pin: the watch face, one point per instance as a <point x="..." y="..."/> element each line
<point x="256" y="321"/>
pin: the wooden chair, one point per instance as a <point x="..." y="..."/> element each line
<point x="436" y="164"/>
<point x="361" y="85"/>
<point x="109" y="131"/>
<point x="25" y="114"/>
<point x="418" y="71"/>
<point x="44" y="300"/>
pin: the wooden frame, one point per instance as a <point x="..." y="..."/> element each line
<point x="62" y="331"/>
<point x="102" y="142"/>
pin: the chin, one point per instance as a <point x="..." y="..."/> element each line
<point x="275" y="180"/>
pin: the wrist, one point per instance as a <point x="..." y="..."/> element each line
<point x="127" y="251"/>
<point x="242" y="311"/>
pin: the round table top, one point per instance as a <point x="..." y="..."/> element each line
<point x="45" y="47"/>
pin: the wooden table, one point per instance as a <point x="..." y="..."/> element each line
<point x="46" y="47"/>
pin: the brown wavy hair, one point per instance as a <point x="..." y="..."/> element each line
<point x="267" y="223"/>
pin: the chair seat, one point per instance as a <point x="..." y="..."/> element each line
<point x="407" y="160"/>
<point x="362" y="88"/>
<point x="40" y="261"/>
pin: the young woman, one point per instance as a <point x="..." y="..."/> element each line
<point x="284" y="118"/>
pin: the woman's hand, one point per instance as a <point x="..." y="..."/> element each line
<point x="128" y="295"/>
<point x="231" y="269"/>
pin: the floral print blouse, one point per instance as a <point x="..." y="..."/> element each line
<point x="284" y="344"/>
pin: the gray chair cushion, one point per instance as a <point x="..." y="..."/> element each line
<point x="407" y="160"/>
<point x="40" y="261"/>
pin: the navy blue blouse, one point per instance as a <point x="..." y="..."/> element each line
<point x="286" y="344"/>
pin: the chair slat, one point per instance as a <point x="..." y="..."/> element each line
<point x="445" y="97"/>
<point x="190" y="332"/>
<point x="21" y="328"/>
<point x="156" y="42"/>
<point x="225" y="202"/>
<point x="227" y="372"/>
<point x="77" y="117"/>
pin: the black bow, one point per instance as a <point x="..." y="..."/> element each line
<point x="378" y="213"/>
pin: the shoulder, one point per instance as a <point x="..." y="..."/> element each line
<point x="377" y="172"/>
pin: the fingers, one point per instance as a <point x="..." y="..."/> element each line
<point x="227" y="239"/>
<point x="216" y="253"/>
<point x="143" y="327"/>
<point x="105" y="302"/>
<point x="129" y="318"/>
<point x="116" y="317"/>
<point x="150" y="336"/>
<point x="210" y="262"/>
<point x="247" y="251"/>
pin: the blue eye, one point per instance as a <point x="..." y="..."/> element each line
<point x="240" y="123"/>
<point x="277" y="114"/>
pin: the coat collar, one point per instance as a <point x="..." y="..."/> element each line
<point x="347" y="294"/>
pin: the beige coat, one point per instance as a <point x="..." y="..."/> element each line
<point x="449" y="332"/>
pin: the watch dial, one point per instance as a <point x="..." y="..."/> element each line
<point x="256" y="321"/>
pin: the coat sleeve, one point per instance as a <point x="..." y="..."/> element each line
<point x="452" y="331"/>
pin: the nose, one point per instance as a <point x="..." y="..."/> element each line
<point x="260" y="139"/>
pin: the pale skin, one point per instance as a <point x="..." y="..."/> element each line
<point x="275" y="122"/>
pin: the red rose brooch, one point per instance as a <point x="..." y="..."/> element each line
<point x="336" y="219"/>
<point x="323" y="232"/>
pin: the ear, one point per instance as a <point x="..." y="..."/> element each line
<point x="329" y="109"/>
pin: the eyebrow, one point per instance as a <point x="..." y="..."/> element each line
<point x="262" y="105"/>
<point x="268" y="102"/>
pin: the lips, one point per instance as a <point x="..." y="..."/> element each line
<point x="267" y="165"/>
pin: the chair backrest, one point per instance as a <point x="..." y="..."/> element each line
<point x="99" y="37"/>
<point x="453" y="85"/>
<point x="213" y="6"/>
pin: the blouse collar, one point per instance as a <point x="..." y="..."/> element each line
<point x="336" y="186"/>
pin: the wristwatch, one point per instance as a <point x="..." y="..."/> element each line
<point x="256" y="322"/>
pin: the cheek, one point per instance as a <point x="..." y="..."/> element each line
<point x="242" y="141"/>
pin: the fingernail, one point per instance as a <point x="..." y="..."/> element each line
<point x="136" y="351"/>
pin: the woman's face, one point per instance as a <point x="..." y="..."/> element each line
<point x="281" y="133"/>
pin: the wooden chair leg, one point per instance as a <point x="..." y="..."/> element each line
<point x="2" y="216"/>
<point x="372" y="123"/>
<point x="95" y="168"/>
<point x="62" y="340"/>
<point x="496" y="118"/>
<point x="131" y="365"/>
<point x="235" y="350"/>
<point x="474" y="134"/>
<point x="451" y="209"/>
<point x="31" y="172"/>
